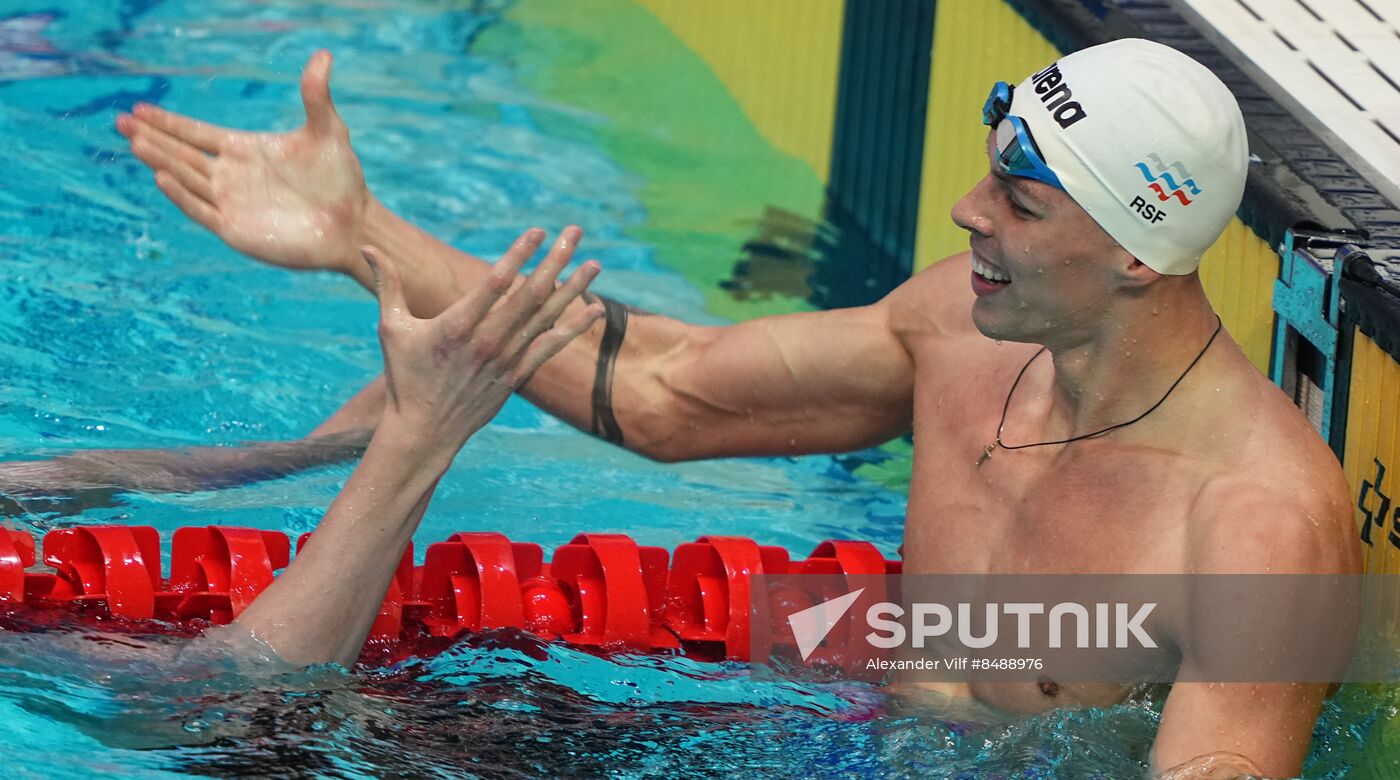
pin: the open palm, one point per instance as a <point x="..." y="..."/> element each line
<point x="293" y="199"/>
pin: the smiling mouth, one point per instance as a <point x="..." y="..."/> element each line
<point x="989" y="273"/>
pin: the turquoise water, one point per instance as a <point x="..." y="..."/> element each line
<point x="122" y="324"/>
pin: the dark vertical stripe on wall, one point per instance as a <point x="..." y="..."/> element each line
<point x="1341" y="394"/>
<point x="877" y="150"/>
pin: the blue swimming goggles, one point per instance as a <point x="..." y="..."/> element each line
<point x="1016" y="150"/>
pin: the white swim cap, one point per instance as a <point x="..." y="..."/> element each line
<point x="1147" y="140"/>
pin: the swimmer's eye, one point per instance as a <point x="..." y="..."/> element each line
<point x="1021" y="212"/>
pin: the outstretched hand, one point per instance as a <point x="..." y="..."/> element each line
<point x="448" y="376"/>
<point x="293" y="199"/>
<point x="445" y="377"/>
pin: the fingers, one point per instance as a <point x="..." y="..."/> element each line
<point x="554" y="341"/>
<point x="542" y="282"/>
<point x="193" y="206"/>
<point x="321" y="117"/>
<point x="202" y="136"/>
<point x="524" y="302"/>
<point x="126" y="124"/>
<point x="173" y="148"/>
<point x="559" y="256"/>
<point x="463" y="316"/>
<point x="388" y="285"/>
<point x="545" y="316"/>
<point x="163" y="153"/>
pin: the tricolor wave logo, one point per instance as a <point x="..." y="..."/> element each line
<point x="1164" y="174"/>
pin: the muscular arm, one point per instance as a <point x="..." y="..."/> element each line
<point x="801" y="383"/>
<point x="805" y="383"/>
<point x="1229" y="729"/>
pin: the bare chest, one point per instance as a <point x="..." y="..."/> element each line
<point x="1090" y="506"/>
<point x="1085" y="507"/>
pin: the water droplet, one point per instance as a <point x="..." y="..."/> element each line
<point x="195" y="726"/>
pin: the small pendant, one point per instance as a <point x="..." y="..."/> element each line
<point x="986" y="454"/>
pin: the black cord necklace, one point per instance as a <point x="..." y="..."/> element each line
<point x="990" y="448"/>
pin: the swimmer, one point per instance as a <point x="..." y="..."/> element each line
<point x="1076" y="405"/>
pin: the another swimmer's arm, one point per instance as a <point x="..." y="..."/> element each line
<point x="92" y="477"/>
<point x="446" y="378"/>
<point x="179" y="470"/>
<point x="321" y="608"/>
<point x="1230" y="729"/>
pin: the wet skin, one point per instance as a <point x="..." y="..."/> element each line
<point x="1226" y="476"/>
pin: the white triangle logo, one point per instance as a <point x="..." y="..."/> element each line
<point x="811" y="625"/>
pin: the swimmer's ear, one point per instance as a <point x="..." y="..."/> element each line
<point x="1134" y="272"/>
<point x="321" y="117"/>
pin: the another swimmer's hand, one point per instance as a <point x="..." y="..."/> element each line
<point x="447" y="376"/>
<point x="294" y="199"/>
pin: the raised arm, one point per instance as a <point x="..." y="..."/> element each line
<point x="804" y="383"/>
<point x="447" y="377"/>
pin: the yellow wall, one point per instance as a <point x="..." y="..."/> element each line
<point x="778" y="58"/>
<point x="1373" y="433"/>
<point x="976" y="43"/>
<point x="1238" y="273"/>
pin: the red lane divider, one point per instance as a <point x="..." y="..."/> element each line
<point x="472" y="582"/>
<point x="708" y="590"/>
<point x="216" y="572"/>
<point x="16" y="555"/>
<point x="115" y="565"/>
<point x="599" y="590"/>
<point x="618" y="588"/>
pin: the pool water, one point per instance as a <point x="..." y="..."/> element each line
<point x="122" y="324"/>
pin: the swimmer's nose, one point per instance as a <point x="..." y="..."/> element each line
<point x="900" y="551"/>
<point x="969" y="213"/>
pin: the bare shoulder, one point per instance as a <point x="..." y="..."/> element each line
<point x="936" y="301"/>
<point x="1279" y="502"/>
